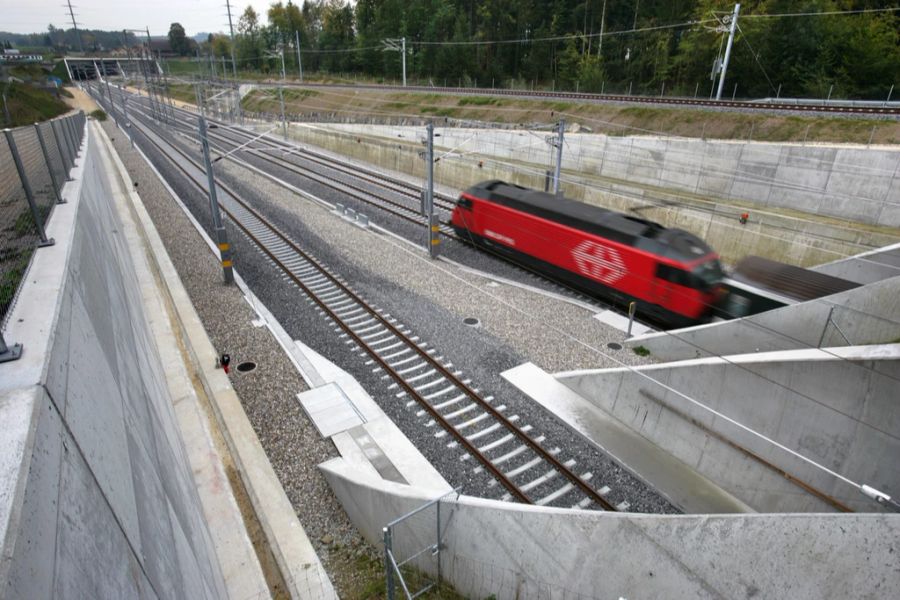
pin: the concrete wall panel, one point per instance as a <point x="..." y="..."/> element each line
<point x="865" y="315"/>
<point x="110" y="508"/>
<point x="512" y="551"/>
<point x="32" y="575"/>
<point x="833" y="408"/>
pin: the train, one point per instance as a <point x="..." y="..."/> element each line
<point x="674" y="277"/>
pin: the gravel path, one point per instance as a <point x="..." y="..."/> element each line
<point x="291" y="442"/>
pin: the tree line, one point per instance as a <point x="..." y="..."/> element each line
<point x="648" y="46"/>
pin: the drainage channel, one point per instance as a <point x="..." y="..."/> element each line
<point x="505" y="449"/>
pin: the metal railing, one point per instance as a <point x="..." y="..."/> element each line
<point x="412" y="548"/>
<point x="35" y="162"/>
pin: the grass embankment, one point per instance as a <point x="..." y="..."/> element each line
<point x="610" y="119"/>
<point x="28" y="104"/>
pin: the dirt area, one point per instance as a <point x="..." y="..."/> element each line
<point x="80" y="100"/>
<point x="612" y="119"/>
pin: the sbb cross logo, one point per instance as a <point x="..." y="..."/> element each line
<point x="599" y="262"/>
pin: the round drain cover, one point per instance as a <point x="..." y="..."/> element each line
<point x="246" y="367"/>
<point x="611" y="346"/>
<point x="471" y="321"/>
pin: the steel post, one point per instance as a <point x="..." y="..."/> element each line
<point x="734" y="20"/>
<point x="56" y="186"/>
<point x="388" y="564"/>
<point x="70" y="133"/>
<point x="221" y="234"/>
<point x="557" y="185"/>
<point x="299" y="60"/>
<point x="68" y="163"/>
<point x="283" y="121"/>
<point x="6" y="353"/>
<point x="403" y="50"/>
<point x="29" y="194"/>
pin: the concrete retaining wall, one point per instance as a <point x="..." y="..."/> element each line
<point x="839" y="408"/>
<point x="624" y="174"/>
<point x="101" y="502"/>
<point x="855" y="183"/>
<point x="509" y="551"/>
<point x="867" y="267"/>
<point x="866" y="315"/>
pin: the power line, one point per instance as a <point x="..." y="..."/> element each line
<point x="822" y="14"/>
<point x="564" y="37"/>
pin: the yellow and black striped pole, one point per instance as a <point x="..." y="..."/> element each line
<point x="221" y="234"/>
<point x="432" y="221"/>
<point x="434" y="245"/>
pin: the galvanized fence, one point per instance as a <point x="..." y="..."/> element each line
<point x="412" y="548"/>
<point x="35" y="162"/>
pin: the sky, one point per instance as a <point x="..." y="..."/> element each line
<point x="31" y="16"/>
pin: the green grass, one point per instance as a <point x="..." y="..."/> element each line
<point x="438" y="111"/>
<point x="28" y="72"/>
<point x="479" y="101"/>
<point x="28" y="104"/>
<point x="14" y="269"/>
<point x="641" y="351"/>
<point x="99" y="115"/>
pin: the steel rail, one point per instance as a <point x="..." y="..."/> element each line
<point x="358" y="192"/>
<point x="745" y="105"/>
<point x="425" y="356"/>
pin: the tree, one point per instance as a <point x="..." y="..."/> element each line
<point x="249" y="44"/>
<point x="178" y="40"/>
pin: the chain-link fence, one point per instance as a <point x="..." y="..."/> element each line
<point x="34" y="165"/>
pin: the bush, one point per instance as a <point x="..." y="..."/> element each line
<point x="641" y="351"/>
<point x="99" y="115"/>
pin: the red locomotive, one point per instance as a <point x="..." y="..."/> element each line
<point x="672" y="274"/>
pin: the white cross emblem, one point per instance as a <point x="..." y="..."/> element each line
<point x="599" y="262"/>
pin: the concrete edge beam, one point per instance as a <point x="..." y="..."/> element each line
<point x="240" y="566"/>
<point x="300" y="567"/>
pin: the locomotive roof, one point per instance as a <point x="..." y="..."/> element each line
<point x="616" y="226"/>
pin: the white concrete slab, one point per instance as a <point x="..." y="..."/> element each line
<point x="329" y="372"/>
<point x="379" y="448"/>
<point x="682" y="485"/>
<point x="330" y="410"/>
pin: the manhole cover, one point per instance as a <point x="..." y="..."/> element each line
<point x="246" y="367"/>
<point x="611" y="346"/>
<point x="471" y="321"/>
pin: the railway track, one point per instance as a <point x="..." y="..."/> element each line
<point x="472" y="422"/>
<point x="343" y="183"/>
<point x="743" y="105"/>
<point x="405" y="211"/>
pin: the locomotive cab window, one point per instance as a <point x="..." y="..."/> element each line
<point x="708" y="274"/>
<point x="464" y="203"/>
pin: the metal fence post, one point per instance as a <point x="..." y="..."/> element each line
<point x="825" y="328"/>
<point x="6" y="353"/>
<point x="388" y="564"/>
<point x="63" y="150"/>
<point x="70" y="133"/>
<point x="64" y="138"/>
<point x="56" y="186"/>
<point x="27" y="187"/>
<point x="437" y="545"/>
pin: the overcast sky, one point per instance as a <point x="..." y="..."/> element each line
<point x="30" y="16"/>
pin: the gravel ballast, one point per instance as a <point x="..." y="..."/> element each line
<point x="432" y="298"/>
